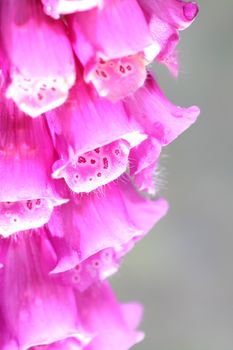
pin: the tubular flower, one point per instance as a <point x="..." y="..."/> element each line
<point x="114" y="51"/>
<point x="82" y="126"/>
<point x="41" y="64"/>
<point x="27" y="192"/>
<point x="93" y="138"/>
<point x="94" y="218"/>
<point x="162" y="122"/>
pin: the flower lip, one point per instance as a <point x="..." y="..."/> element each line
<point x="117" y="78"/>
<point x="26" y="214"/>
<point x="86" y="172"/>
<point x="62" y="167"/>
<point x="37" y="96"/>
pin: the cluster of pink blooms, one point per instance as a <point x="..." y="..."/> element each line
<point x="82" y="125"/>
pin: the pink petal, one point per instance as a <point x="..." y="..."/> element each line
<point x="6" y="341"/>
<point x="4" y="67"/>
<point x="100" y="308"/>
<point x="41" y="61"/>
<point x="27" y="192"/>
<point x="24" y="215"/>
<point x="144" y="158"/>
<point x="55" y="8"/>
<point x="178" y="14"/>
<point x="165" y="19"/>
<point x="34" y="311"/>
<point x="100" y="154"/>
<point x="98" y="221"/>
<point x="114" y="51"/>
<point x="95" y="268"/>
<point x="113" y="33"/>
<point x="161" y="118"/>
<point x="25" y="167"/>
<point x="117" y="78"/>
<point x="133" y="313"/>
<point x="162" y="121"/>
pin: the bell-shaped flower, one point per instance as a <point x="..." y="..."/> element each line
<point x="162" y="122"/>
<point x="106" y="218"/>
<point x="114" y="325"/>
<point x="93" y="138"/>
<point x="27" y="191"/>
<point x="31" y="302"/>
<point x="41" y="63"/>
<point x="115" y="49"/>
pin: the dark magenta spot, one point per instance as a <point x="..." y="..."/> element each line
<point x="105" y="162"/>
<point x="103" y="74"/>
<point x="97" y="72"/>
<point x="29" y="204"/>
<point x="81" y="159"/>
<point x="101" y="61"/>
<point x="76" y="278"/>
<point x="93" y="161"/>
<point x="128" y="67"/>
<point x="40" y="97"/>
<point x="38" y="202"/>
<point x="99" y="174"/>
<point x="122" y="69"/>
<point x="97" y="150"/>
<point x="117" y="152"/>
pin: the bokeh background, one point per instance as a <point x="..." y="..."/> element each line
<point x="183" y="271"/>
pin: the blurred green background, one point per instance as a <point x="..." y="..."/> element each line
<point x="183" y="271"/>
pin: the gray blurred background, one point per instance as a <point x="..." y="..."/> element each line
<point x="183" y="271"/>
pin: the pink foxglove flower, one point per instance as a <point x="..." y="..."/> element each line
<point x="27" y="192"/>
<point x="41" y="64"/>
<point x="162" y="122"/>
<point x="113" y="50"/>
<point x="93" y="138"/>
<point x="70" y="207"/>
<point x="101" y="220"/>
